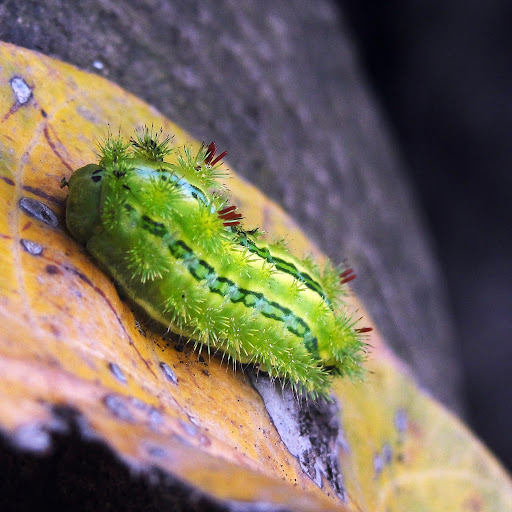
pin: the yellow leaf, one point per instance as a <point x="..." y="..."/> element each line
<point x="66" y="338"/>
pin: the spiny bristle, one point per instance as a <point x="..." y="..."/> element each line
<point x="290" y="361"/>
<point x="254" y="233"/>
<point x="330" y="281"/>
<point x="352" y="363"/>
<point x="146" y="262"/>
<point x="310" y="264"/>
<point x="267" y="271"/>
<point x="238" y="333"/>
<point x="347" y="347"/>
<point x="112" y="210"/>
<point x="194" y="164"/>
<point x="186" y="304"/>
<point x="245" y="259"/>
<point x="147" y="144"/>
<point x="162" y="197"/>
<point x="280" y="244"/>
<point x="119" y="168"/>
<point x="320" y="312"/>
<point x="111" y="148"/>
<point x="189" y="161"/>
<point x="309" y="379"/>
<point x="206" y="230"/>
<point x="296" y="288"/>
<point x="209" y="326"/>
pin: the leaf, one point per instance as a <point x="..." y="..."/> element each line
<point x="67" y="338"/>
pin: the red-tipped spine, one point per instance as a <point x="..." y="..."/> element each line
<point x="210" y="154"/>
<point x="363" y="330"/>
<point x="229" y="216"/>
<point x="347" y="276"/>
<point x="219" y="158"/>
<point x="212" y="149"/>
<point x="226" y="210"/>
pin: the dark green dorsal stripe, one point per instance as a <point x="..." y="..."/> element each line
<point x="155" y="228"/>
<point x="223" y="286"/>
<point x="284" y="266"/>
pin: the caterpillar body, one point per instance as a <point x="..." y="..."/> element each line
<point x="165" y="233"/>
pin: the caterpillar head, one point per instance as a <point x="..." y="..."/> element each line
<point x="83" y="203"/>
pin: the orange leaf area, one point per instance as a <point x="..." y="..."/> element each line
<point x="68" y="339"/>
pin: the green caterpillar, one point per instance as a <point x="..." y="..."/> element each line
<point x="166" y="235"/>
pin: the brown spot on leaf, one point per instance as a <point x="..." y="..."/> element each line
<point x="52" y="269"/>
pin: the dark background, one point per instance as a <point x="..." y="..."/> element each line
<point x="443" y="72"/>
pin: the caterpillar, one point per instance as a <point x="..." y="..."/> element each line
<point x="166" y="233"/>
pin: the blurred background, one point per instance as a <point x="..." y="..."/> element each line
<point x="443" y="74"/>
